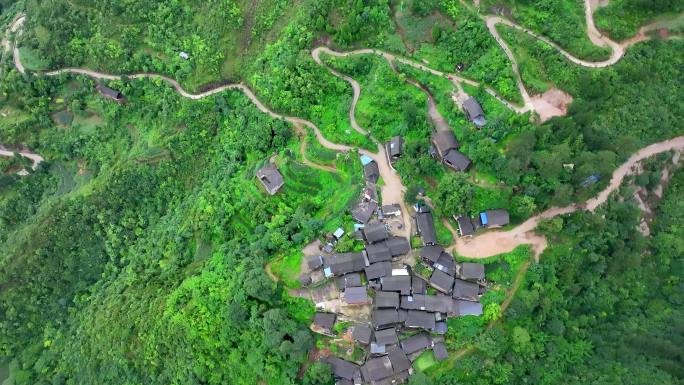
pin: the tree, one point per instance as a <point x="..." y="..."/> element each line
<point x="318" y="373"/>
<point x="454" y="193"/>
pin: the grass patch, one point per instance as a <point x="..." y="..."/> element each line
<point x="424" y="361"/>
<point x="32" y="59"/>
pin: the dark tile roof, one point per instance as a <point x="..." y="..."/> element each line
<point x="434" y="303"/>
<point x="345" y="263"/>
<point x="386" y="337"/>
<point x="466" y="290"/>
<point x="398" y="245"/>
<point x="444" y="140"/>
<point x="348" y="280"/>
<point x="342" y="368"/>
<point x="109" y="92"/>
<point x="415" y="343"/>
<point x="314" y="262"/>
<point x="440" y="327"/>
<point x="465" y="226"/>
<point x="375" y="231"/>
<point x="401" y="283"/>
<point x="471" y="271"/>
<point x="468" y="308"/>
<point x="441" y="281"/>
<point x="376" y="369"/>
<point x="420" y="319"/>
<point x="371" y="172"/>
<point x="324" y="321"/>
<point x="446" y="263"/>
<point x="431" y="252"/>
<point x="344" y="382"/>
<point x="498" y="217"/>
<point x="378" y="252"/>
<point x="355" y="295"/>
<point x="270" y="177"/>
<point x="426" y="228"/>
<point x="305" y="279"/>
<point x="363" y="211"/>
<point x="473" y="111"/>
<point x="396" y="146"/>
<point x="457" y="160"/>
<point x="377" y="349"/>
<point x="382" y="318"/>
<point x="399" y="360"/>
<point x="440" y="351"/>
<point x="362" y="333"/>
<point x="378" y="270"/>
<point x="418" y="285"/>
<point x="386" y="299"/>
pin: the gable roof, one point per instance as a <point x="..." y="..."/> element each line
<point x="497" y="217"/>
<point x="465" y="290"/>
<point x="444" y="140"/>
<point x="364" y="211"/>
<point x="344" y="263"/>
<point x="401" y="283"/>
<point x="380" y="318"/>
<point x="375" y="231"/>
<point x="378" y="270"/>
<point x="440" y="351"/>
<point x="471" y="271"/>
<point x="441" y="281"/>
<point x="324" y="320"/>
<point x="457" y="160"/>
<point x="398" y="245"/>
<point x="386" y="337"/>
<point x="396" y="146"/>
<point x="426" y="228"/>
<point x="465" y="226"/>
<point x="355" y="295"/>
<point x="270" y="177"/>
<point x="393" y="209"/>
<point x="376" y="369"/>
<point x="434" y="303"/>
<point x="446" y="263"/>
<point x="420" y="319"/>
<point x="348" y="280"/>
<point x="387" y="299"/>
<point x="109" y="92"/>
<point x="468" y="308"/>
<point x="371" y="172"/>
<point x="431" y="252"/>
<point x="474" y="112"/>
<point x="362" y="333"/>
<point x="342" y="368"/>
<point x="415" y="343"/>
<point x="399" y="360"/>
<point x="378" y="252"/>
<point x="418" y="285"/>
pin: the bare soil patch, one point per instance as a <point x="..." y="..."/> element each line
<point x="553" y="102"/>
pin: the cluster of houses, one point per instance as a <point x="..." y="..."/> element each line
<point x="409" y="310"/>
<point x="487" y="219"/>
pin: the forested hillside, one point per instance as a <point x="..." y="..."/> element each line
<point x="136" y="252"/>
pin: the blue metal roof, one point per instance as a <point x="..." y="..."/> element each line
<point x="365" y="159"/>
<point x="483" y="218"/>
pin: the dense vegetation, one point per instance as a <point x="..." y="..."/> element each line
<point x="136" y="253"/>
<point x="623" y="18"/>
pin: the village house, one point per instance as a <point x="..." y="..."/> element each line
<point x="394" y="148"/>
<point x="355" y="295"/>
<point x="376" y="369"/>
<point x="494" y="218"/>
<point x="384" y="318"/>
<point x="416" y="343"/>
<point x="426" y="228"/>
<point x="441" y="281"/>
<point x="386" y="299"/>
<point x="471" y="271"/>
<point x="348" y="280"/>
<point x="362" y="333"/>
<point x="446" y="145"/>
<point x="465" y="226"/>
<point x="468" y="308"/>
<point x="393" y="210"/>
<point x="466" y="290"/>
<point x="473" y="111"/>
<point x="363" y="211"/>
<point x="340" y="264"/>
<point x="400" y="283"/>
<point x="110" y="93"/>
<point x="439" y="351"/>
<point x="323" y="323"/>
<point x="344" y="369"/>
<point x="420" y="319"/>
<point x="386" y="337"/>
<point x="430" y="253"/>
<point x="270" y="178"/>
<point x="370" y="169"/>
<point x="446" y="263"/>
<point x="378" y="270"/>
<point x="375" y="231"/>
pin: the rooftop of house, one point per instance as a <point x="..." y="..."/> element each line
<point x="399" y="360"/>
<point x="378" y="252"/>
<point x="355" y="295"/>
<point x="465" y="226"/>
<point x="431" y="252"/>
<point x="418" y="285"/>
<point x="376" y="369"/>
<point x="441" y="281"/>
<point x="426" y="228"/>
<point x="446" y="263"/>
<point x="396" y="146"/>
<point x="440" y="352"/>
<point x="324" y="320"/>
<point x="371" y="172"/>
<point x="444" y="140"/>
<point x="474" y="112"/>
<point x="378" y="270"/>
<point x="270" y="177"/>
<point x="434" y="303"/>
<point x="398" y="245"/>
<point x="386" y="337"/>
<point x="364" y="211"/>
<point x="389" y="210"/>
<point x="348" y="280"/>
<point x="471" y="271"/>
<point x="342" y="368"/>
<point x="497" y="217"/>
<point x="465" y="290"/>
<point x="457" y="160"/>
<point x="362" y="333"/>
<point x="468" y="307"/>
<point x="381" y="318"/>
<point x="400" y="283"/>
<point x="386" y="299"/>
<point x="420" y="319"/>
<point x="415" y="343"/>
<point x="109" y="92"/>
<point x="375" y="231"/>
<point x="338" y="264"/>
